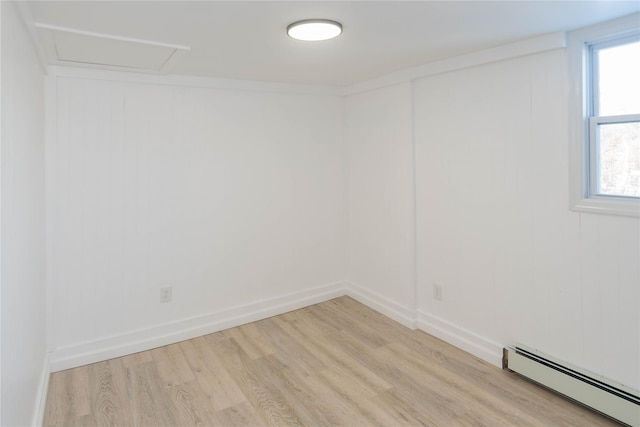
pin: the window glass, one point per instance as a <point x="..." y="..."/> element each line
<point x="615" y="127"/>
<point x="618" y="80"/>
<point x="619" y="159"/>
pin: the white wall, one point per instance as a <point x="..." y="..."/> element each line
<point x="24" y="363"/>
<point x="235" y="198"/>
<point x="494" y="228"/>
<point x="493" y="225"/>
<point x="379" y="153"/>
<point x="247" y="201"/>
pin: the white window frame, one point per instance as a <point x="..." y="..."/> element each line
<point x="583" y="125"/>
<point x="594" y="149"/>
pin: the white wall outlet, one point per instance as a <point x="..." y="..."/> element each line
<point x="437" y="292"/>
<point x="165" y="294"/>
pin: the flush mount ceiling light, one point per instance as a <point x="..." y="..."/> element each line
<point x="314" y="29"/>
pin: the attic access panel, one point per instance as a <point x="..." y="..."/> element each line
<point x="68" y="46"/>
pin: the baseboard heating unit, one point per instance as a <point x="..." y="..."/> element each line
<point x="605" y="396"/>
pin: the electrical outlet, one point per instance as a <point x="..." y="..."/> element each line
<point x="437" y="292"/>
<point x="165" y="294"/>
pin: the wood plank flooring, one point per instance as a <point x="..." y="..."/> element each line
<point x="338" y="363"/>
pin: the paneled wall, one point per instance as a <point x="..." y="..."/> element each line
<point x="242" y="199"/>
<point x="495" y="230"/>
<point x="234" y="198"/>
<point x="24" y="366"/>
<point x="379" y="148"/>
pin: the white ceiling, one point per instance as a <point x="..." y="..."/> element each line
<point x="246" y="39"/>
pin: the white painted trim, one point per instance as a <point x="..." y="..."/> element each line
<point x="615" y="206"/>
<point x="107" y="36"/>
<point x="381" y="304"/>
<point x="169" y="333"/>
<point x="184" y="329"/>
<point x="27" y="20"/>
<point x="41" y="393"/>
<point x="192" y="81"/>
<point x="577" y="121"/>
<point x="484" y="348"/>
<point x="50" y="174"/>
<point x="512" y="50"/>
<point x="1" y="215"/>
<point x="47" y="31"/>
<point x="414" y="204"/>
<point x="164" y="334"/>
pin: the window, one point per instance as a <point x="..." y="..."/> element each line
<point x="614" y="122"/>
<point x="605" y="72"/>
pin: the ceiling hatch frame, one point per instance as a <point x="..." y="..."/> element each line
<point x="74" y="47"/>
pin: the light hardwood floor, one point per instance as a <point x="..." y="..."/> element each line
<point x="331" y="364"/>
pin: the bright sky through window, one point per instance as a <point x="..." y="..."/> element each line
<point x="619" y="80"/>
<point x="616" y="137"/>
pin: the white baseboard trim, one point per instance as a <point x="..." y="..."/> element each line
<point x="486" y="349"/>
<point x="169" y="333"/>
<point x="41" y="393"/>
<point x="381" y="304"/>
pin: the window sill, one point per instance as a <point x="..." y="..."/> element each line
<point x="608" y="206"/>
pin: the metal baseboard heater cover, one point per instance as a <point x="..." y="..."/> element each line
<point x="605" y="396"/>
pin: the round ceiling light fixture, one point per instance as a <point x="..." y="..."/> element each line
<point x="314" y="29"/>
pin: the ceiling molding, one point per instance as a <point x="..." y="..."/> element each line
<point x="27" y="20"/>
<point x="192" y="81"/>
<point x="512" y="50"/>
<point x="624" y="24"/>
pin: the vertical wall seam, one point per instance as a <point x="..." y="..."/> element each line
<point x="50" y="174"/>
<point x="414" y="194"/>
<point x="346" y="197"/>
